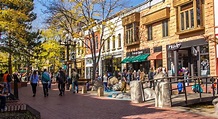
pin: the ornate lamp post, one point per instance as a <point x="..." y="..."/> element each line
<point x="67" y="44"/>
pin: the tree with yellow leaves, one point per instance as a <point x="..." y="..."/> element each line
<point x="16" y="18"/>
<point x="83" y="20"/>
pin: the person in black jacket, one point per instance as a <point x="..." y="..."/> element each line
<point x="151" y="76"/>
<point x="61" y="79"/>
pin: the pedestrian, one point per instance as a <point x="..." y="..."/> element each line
<point x="34" y="78"/>
<point x="16" y="80"/>
<point x="3" y="97"/>
<point x="45" y="79"/>
<point x="151" y="76"/>
<point x="61" y="78"/>
<point x="1" y="76"/>
<point x="50" y="82"/>
<point x="123" y="81"/>
<point x="75" y="78"/>
<point x="105" y="80"/>
<point x="7" y="82"/>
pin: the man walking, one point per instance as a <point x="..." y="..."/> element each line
<point x="45" y="79"/>
<point x="75" y="78"/>
<point x="61" y="78"/>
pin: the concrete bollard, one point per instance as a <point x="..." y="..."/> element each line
<point x="162" y="98"/>
<point x="136" y="91"/>
<point x="215" y="103"/>
<point x="100" y="91"/>
<point x="84" y="90"/>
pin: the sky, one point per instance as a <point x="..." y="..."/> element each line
<point x="38" y="9"/>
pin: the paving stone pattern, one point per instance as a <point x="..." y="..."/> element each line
<point x="86" y="106"/>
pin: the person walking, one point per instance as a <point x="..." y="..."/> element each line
<point x="61" y="78"/>
<point x="105" y="80"/>
<point x="34" y="78"/>
<point x="123" y="80"/>
<point x="151" y="76"/>
<point x="75" y="78"/>
<point x="7" y="82"/>
<point x="45" y="79"/>
<point x="16" y="80"/>
<point x="3" y="97"/>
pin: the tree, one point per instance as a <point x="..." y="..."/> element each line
<point x="82" y="19"/>
<point x="15" y="29"/>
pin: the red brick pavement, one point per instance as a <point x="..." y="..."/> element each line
<point x="80" y="106"/>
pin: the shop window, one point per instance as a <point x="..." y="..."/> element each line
<point x="170" y="63"/>
<point x="205" y="66"/>
<point x="165" y="28"/>
<point x="204" y="49"/>
<point x="190" y="15"/>
<point x="149" y="28"/>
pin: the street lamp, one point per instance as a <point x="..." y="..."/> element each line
<point x="67" y="43"/>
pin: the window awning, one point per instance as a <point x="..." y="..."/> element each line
<point x="140" y="58"/>
<point x="155" y="56"/>
<point x="126" y="60"/>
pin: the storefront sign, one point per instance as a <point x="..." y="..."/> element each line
<point x="137" y="52"/>
<point x="174" y="46"/>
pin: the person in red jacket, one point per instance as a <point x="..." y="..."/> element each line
<point x="7" y="82"/>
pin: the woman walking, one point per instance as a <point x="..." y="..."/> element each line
<point x="34" y="81"/>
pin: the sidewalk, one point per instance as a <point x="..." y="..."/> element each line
<point x="89" y="106"/>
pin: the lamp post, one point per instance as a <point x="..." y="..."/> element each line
<point x="67" y="44"/>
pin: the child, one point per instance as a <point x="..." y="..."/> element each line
<point x="179" y="86"/>
<point x="87" y="86"/>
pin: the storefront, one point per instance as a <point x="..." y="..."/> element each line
<point x="80" y="64"/>
<point x="111" y="63"/>
<point x="137" y="60"/>
<point x="192" y="55"/>
<point x="88" y="68"/>
<point x="156" y="57"/>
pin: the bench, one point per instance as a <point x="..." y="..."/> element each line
<point x="82" y="81"/>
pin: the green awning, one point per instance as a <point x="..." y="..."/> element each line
<point x="140" y="58"/>
<point x="126" y="60"/>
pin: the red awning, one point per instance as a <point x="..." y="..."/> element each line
<point x="155" y="56"/>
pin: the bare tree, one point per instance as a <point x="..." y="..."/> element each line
<point x="83" y="18"/>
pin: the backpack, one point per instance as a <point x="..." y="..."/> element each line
<point x="45" y="77"/>
<point x="61" y="77"/>
<point x="9" y="79"/>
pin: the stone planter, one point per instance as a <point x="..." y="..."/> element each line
<point x="215" y="103"/>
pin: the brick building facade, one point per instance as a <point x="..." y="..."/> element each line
<point x="175" y="34"/>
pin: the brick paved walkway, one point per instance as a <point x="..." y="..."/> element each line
<point x="79" y="106"/>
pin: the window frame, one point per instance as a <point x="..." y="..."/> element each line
<point x="108" y="44"/>
<point x="149" y="33"/>
<point x="119" y="40"/>
<point x="165" y="28"/>
<point x="190" y="13"/>
<point x="131" y="33"/>
<point x="114" y="41"/>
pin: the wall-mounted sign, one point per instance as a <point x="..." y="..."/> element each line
<point x="137" y="52"/>
<point x="174" y="46"/>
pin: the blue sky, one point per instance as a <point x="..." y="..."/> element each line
<point x="38" y="8"/>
